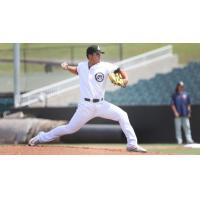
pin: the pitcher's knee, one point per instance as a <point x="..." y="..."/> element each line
<point x="124" y="116"/>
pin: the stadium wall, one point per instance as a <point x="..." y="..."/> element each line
<point x="152" y="124"/>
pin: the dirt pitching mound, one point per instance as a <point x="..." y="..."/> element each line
<point x="64" y="150"/>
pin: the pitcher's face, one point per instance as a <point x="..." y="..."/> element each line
<point x="94" y="58"/>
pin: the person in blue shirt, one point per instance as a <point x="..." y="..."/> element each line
<point x="181" y="107"/>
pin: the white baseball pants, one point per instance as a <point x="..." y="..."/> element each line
<point x="85" y="112"/>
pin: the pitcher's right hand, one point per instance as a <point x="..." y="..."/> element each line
<point x="64" y="66"/>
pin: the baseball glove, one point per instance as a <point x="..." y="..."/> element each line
<point x="117" y="79"/>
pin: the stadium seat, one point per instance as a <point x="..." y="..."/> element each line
<point x="158" y="90"/>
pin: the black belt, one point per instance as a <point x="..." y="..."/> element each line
<point x="93" y="100"/>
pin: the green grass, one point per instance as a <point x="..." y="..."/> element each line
<point x="187" y="52"/>
<point x="171" y="149"/>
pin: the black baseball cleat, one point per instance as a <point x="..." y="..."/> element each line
<point x="136" y="149"/>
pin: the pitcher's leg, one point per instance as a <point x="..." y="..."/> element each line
<point x="177" y="122"/>
<point x="112" y="112"/>
<point x="187" y="130"/>
<point x="81" y="116"/>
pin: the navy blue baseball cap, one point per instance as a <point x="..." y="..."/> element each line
<point x="93" y="49"/>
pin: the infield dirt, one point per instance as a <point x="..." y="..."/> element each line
<point x="65" y="150"/>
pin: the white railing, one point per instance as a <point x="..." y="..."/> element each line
<point x="43" y="93"/>
<point x="145" y="57"/>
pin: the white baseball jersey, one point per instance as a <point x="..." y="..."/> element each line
<point x="93" y="79"/>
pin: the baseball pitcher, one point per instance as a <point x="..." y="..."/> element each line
<point x="93" y="75"/>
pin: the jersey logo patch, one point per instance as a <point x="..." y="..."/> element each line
<point x="184" y="96"/>
<point x="99" y="76"/>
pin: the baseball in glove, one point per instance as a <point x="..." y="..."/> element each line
<point x="117" y="79"/>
